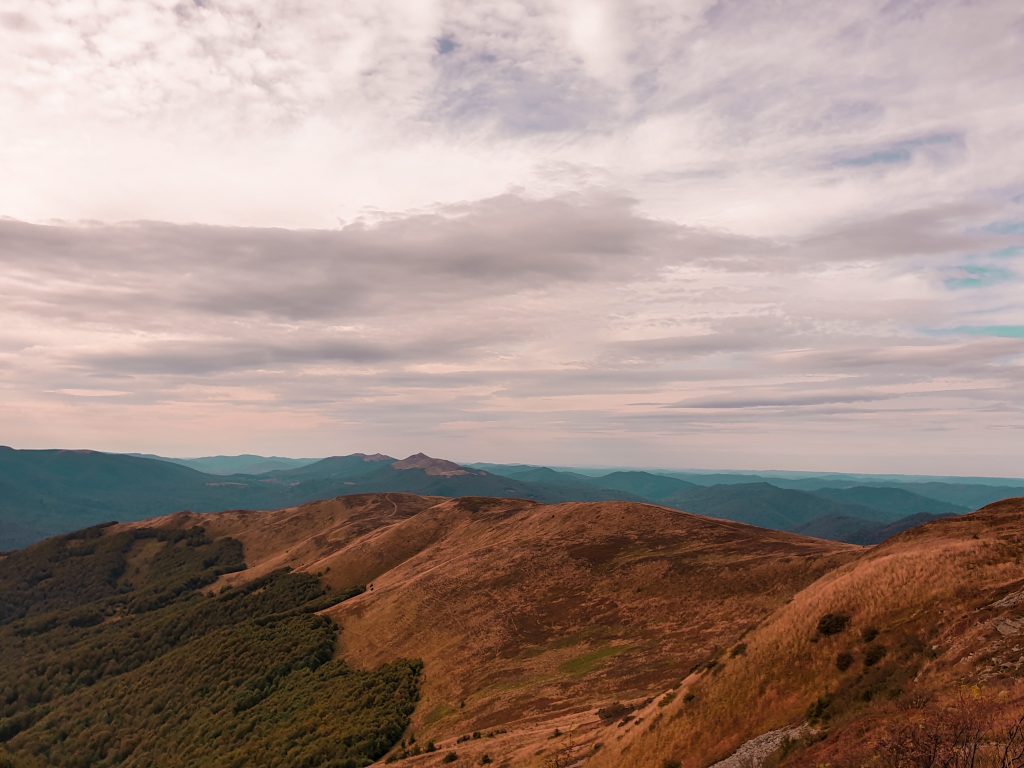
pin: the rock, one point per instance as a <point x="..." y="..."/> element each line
<point x="753" y="753"/>
<point x="1010" y="627"/>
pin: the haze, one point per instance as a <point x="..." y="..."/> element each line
<point x="715" y="234"/>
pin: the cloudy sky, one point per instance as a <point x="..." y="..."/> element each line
<point x="675" y="233"/>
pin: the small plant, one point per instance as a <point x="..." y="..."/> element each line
<point x="486" y="760"/>
<point x="819" y="709"/>
<point x="614" y="711"/>
<point x="869" y="634"/>
<point x="451" y="757"/>
<point x="843" y="661"/>
<point x="671" y="764"/>
<point x="833" y="624"/>
<point x="738" y="650"/>
<point x="873" y="655"/>
<point x="431" y="747"/>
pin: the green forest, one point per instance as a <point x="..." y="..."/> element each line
<point x="112" y="656"/>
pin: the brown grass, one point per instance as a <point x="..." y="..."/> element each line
<point x="531" y="617"/>
<point x="928" y="591"/>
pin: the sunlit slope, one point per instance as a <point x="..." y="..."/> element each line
<point x="896" y="634"/>
<point x="524" y="613"/>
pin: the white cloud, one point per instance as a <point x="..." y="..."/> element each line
<point x="552" y="218"/>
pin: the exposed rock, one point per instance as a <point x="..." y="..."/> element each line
<point x="753" y="753"/>
<point x="1010" y="627"/>
<point x="1011" y="600"/>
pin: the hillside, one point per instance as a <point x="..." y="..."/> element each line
<point x="913" y="645"/>
<point x="594" y="634"/>
<point x="112" y="658"/>
<point x="527" y="617"/>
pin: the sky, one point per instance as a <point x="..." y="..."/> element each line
<point x="665" y="233"/>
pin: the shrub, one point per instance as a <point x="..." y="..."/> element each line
<point x="843" y="661"/>
<point x="451" y="757"/>
<point x="873" y="655"/>
<point x="869" y="634"/>
<point x="738" y="650"/>
<point x="486" y="760"/>
<point x="819" y="709"/>
<point x="614" y="711"/>
<point x="833" y="624"/>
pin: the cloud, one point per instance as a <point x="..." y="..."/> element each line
<point x="425" y="220"/>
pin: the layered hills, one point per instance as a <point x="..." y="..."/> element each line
<point x="509" y="632"/>
<point x="50" y="492"/>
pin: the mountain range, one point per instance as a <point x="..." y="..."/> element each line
<point x="48" y="492"/>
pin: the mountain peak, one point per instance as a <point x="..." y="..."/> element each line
<point x="431" y="465"/>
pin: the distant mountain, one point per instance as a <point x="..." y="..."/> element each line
<point x="48" y="492"/>
<point x="244" y="464"/>
<point x="552" y="476"/>
<point x="646" y="484"/>
<point x="763" y="505"/>
<point x="855" y="530"/>
<point x="892" y="504"/>
<point x="43" y="493"/>
<point x="336" y="467"/>
<point x="962" y="494"/>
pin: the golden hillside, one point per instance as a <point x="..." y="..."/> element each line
<point x="530" y="617"/>
<point x="932" y="644"/>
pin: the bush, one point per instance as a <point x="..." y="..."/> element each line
<point x="843" y="661"/>
<point x="451" y="757"/>
<point x="614" y="711"/>
<point x="869" y="634"/>
<point x="819" y="709"/>
<point x="873" y="655"/>
<point x="833" y="624"/>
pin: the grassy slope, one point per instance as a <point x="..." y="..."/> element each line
<point x="933" y="595"/>
<point x="527" y="614"/>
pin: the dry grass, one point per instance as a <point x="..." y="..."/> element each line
<point x="927" y="592"/>
<point x="531" y="617"/>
